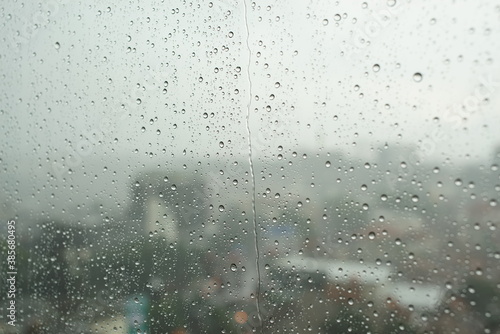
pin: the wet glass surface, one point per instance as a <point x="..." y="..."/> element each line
<point x="250" y="167"/>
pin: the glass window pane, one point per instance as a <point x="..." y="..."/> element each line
<point x="250" y="166"/>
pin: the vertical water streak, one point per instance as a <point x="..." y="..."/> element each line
<point x="252" y="173"/>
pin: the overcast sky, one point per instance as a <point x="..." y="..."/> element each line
<point x="155" y="82"/>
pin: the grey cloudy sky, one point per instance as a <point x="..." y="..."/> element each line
<point x="154" y="82"/>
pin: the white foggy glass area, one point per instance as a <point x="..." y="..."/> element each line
<point x="264" y="167"/>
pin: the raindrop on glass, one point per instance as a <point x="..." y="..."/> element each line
<point x="417" y="77"/>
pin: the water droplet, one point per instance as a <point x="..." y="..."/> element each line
<point x="376" y="68"/>
<point x="417" y="77"/>
<point x="233" y="267"/>
<point x="337" y="17"/>
<point x="221" y="144"/>
<point x="57" y="45"/>
<point x="325" y="22"/>
<point x="391" y="3"/>
<point x="371" y="235"/>
<point x="328" y="164"/>
<point x="221" y="208"/>
<point x="414" y="198"/>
